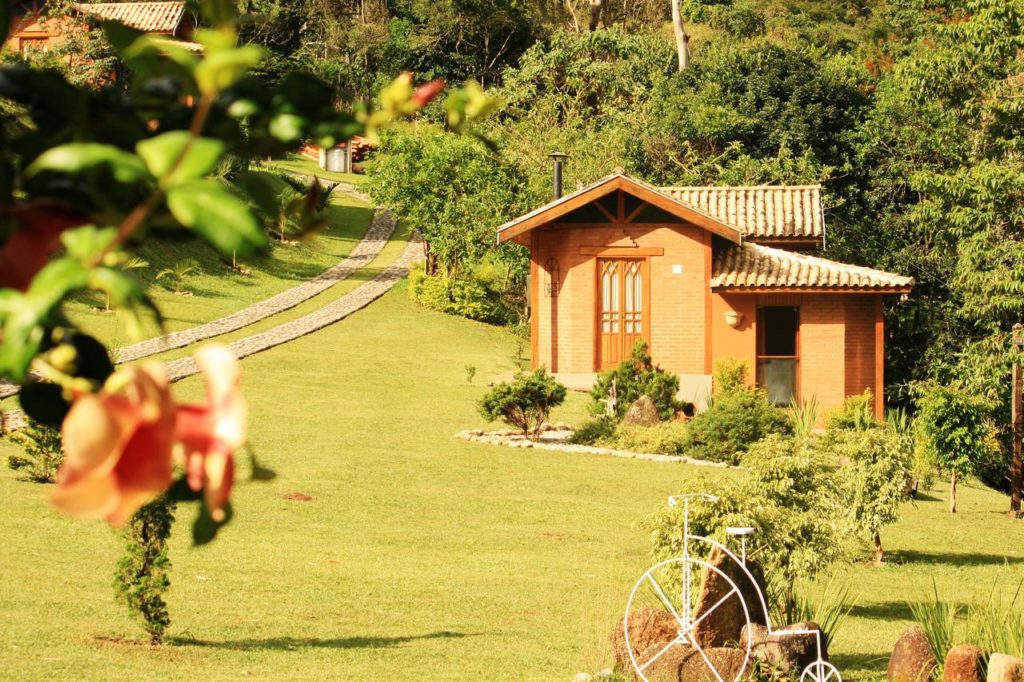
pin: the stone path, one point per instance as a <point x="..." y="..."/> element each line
<point x="369" y="247"/>
<point x="289" y="331"/>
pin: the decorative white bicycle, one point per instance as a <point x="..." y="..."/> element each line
<point x="650" y="590"/>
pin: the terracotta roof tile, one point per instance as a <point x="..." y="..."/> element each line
<point x="151" y="17"/>
<point x="753" y="266"/>
<point x="760" y="213"/>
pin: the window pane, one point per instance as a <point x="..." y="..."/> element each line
<point x="778" y="378"/>
<point x="780" y="327"/>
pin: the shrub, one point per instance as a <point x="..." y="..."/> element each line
<point x="141" y="575"/>
<point x="734" y="421"/>
<point x="786" y="495"/>
<point x="42" y="452"/>
<point x="871" y="479"/>
<point x="525" y="402"/>
<point x="956" y="429"/>
<point x="593" y="431"/>
<point x="468" y="297"/>
<point x="730" y="375"/>
<point x="664" y="439"/>
<point x="857" y="413"/>
<point x="634" y="377"/>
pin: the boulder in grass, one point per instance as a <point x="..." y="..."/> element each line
<point x="963" y="664"/>
<point x="912" y="659"/>
<point x="723" y="621"/>
<point x="642" y="413"/>
<point x="1003" y="668"/>
<point x="729" y="663"/>
<point x="670" y="664"/>
<point x="647" y="628"/>
<point x="782" y="652"/>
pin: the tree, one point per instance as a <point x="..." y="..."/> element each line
<point x="452" y="189"/>
<point x="525" y="402"/>
<point x="871" y="479"/>
<point x="682" y="40"/>
<point x="957" y="429"/>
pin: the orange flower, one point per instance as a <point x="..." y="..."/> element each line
<point x="211" y="432"/>
<point x="117" y="446"/>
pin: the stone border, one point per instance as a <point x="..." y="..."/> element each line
<point x="369" y="247"/>
<point x="555" y="439"/>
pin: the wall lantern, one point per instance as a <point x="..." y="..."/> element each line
<point x="551" y="288"/>
<point x="1018" y="336"/>
<point x="733" y="319"/>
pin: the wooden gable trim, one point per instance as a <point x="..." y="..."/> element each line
<point x="622" y="251"/>
<point x="603" y="188"/>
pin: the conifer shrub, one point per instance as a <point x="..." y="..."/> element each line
<point x="634" y="377"/>
<point x="525" y="402"/>
<point x="141" y="578"/>
<point x="41" y="452"/>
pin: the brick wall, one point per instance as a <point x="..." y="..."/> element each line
<point x="860" y="344"/>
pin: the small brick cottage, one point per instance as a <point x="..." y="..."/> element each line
<point x="701" y="274"/>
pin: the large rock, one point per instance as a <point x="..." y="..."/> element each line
<point x="730" y="664"/>
<point x="784" y="653"/>
<point x="647" y="628"/>
<point x="669" y="666"/>
<point x="726" y="620"/>
<point x="912" y="658"/>
<point x="963" y="664"/>
<point x="1003" y="668"/>
<point x="642" y="413"/>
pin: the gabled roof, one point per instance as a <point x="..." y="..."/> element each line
<point x="606" y="185"/>
<point x="754" y="267"/>
<point x="768" y="213"/>
<point x="150" y="17"/>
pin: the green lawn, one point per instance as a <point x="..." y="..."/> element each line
<point x="421" y="557"/>
<point x="297" y="163"/>
<point x="218" y="290"/>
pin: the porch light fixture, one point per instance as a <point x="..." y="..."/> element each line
<point x="1018" y="336"/>
<point x="733" y="319"/>
<point x="551" y="288"/>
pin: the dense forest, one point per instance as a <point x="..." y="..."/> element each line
<point x="908" y="112"/>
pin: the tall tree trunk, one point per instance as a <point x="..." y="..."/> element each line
<point x="682" y="40"/>
<point x="879" y="552"/>
<point x="952" y="493"/>
<point x="596" y="6"/>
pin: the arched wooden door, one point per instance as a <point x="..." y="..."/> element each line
<point x="623" y="302"/>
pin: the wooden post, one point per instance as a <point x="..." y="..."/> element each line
<point x="1016" y="469"/>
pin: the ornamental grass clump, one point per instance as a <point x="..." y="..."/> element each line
<point x="525" y="402"/>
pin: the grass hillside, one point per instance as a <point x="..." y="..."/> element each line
<point x="217" y="289"/>
<point x="419" y="556"/>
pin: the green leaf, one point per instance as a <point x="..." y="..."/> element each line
<point x="160" y="153"/>
<point x="219" y="70"/>
<point x="82" y="156"/>
<point x="86" y="242"/>
<point x="205" y="528"/>
<point x="54" y="282"/>
<point x="22" y="337"/>
<point x="207" y="208"/>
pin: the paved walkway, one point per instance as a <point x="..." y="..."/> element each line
<point x="289" y="331"/>
<point x="369" y="247"/>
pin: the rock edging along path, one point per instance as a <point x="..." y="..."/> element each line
<point x="557" y="437"/>
<point x="369" y="247"/>
<point x="289" y="331"/>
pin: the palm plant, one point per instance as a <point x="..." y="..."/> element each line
<point x="134" y="263"/>
<point x="179" y="272"/>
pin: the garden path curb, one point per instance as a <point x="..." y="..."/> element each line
<point x="369" y="247"/>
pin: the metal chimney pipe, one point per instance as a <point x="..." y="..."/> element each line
<point x="558" y="158"/>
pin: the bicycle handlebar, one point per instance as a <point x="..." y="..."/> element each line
<point x="673" y="500"/>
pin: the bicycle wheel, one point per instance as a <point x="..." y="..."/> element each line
<point x="657" y="604"/>
<point x="821" y="671"/>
